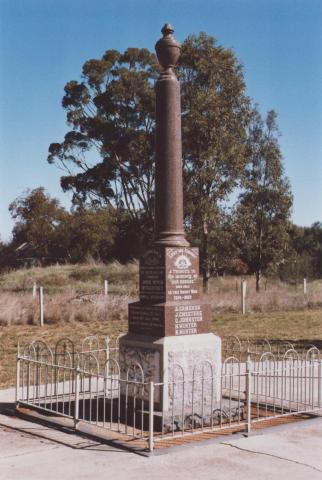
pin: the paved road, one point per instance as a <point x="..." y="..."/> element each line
<point x="31" y="452"/>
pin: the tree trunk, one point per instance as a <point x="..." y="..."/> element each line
<point x="259" y="257"/>
<point x="205" y="260"/>
<point x="258" y="279"/>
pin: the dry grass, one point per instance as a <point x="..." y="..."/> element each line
<point x="75" y="293"/>
<point x="302" y="327"/>
<point x="224" y="295"/>
<point x="71" y="293"/>
<point x="73" y="279"/>
<point x="23" y="309"/>
<point x="76" y="307"/>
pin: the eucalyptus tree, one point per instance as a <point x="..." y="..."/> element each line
<point x="264" y="206"/>
<point x="108" y="155"/>
<point x="215" y="115"/>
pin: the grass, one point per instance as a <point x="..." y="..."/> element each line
<point x="76" y="307"/>
<point x="75" y="293"/>
<point x="294" y="326"/>
<point x="297" y="327"/>
<point x="71" y="293"/>
<point x="75" y="279"/>
<point x="224" y="295"/>
<point x="11" y="336"/>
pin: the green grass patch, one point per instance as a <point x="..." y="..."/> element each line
<point x="295" y="326"/>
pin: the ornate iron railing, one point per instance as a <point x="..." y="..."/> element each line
<point x="88" y="386"/>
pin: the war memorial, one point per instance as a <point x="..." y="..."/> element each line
<point x="169" y="325"/>
<point x="169" y="376"/>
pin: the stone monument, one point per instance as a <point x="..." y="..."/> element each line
<point x="169" y="327"/>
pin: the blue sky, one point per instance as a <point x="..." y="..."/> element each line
<point x="44" y="43"/>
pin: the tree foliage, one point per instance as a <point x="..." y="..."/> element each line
<point x="111" y="112"/>
<point x="265" y="204"/>
<point x="216" y="112"/>
<point x="38" y="218"/>
<point x="304" y="258"/>
<point x="89" y="233"/>
<point x="108" y="153"/>
<point x="104" y="233"/>
<point x="47" y="233"/>
<point x="107" y="159"/>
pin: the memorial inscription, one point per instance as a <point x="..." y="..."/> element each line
<point x="169" y="274"/>
<point x="152" y="276"/>
<point x="187" y="318"/>
<point x="169" y="319"/>
<point x="146" y="319"/>
<point x="182" y="265"/>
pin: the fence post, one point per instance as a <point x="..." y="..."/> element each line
<point x="107" y="354"/>
<point x="41" y="305"/>
<point x="76" y="411"/>
<point x="34" y="289"/>
<point x="248" y="392"/>
<point x="151" y="416"/>
<point x="304" y="286"/>
<point x="17" y="378"/>
<point x="105" y="287"/>
<point x="243" y="286"/>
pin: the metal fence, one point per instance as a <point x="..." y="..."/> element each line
<point x="87" y="385"/>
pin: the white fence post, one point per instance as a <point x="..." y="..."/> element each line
<point x="248" y="393"/>
<point x="151" y="416"/>
<point x="105" y="287"/>
<point x="34" y="289"/>
<point x="41" y="305"/>
<point x="243" y="286"/>
<point x="304" y="286"/>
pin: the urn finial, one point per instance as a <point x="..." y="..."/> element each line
<point x="167" y="48"/>
<point x="167" y="29"/>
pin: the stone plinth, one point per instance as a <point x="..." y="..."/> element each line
<point x="174" y="362"/>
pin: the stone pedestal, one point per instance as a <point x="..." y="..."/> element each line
<point x="175" y="360"/>
<point x="169" y="339"/>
